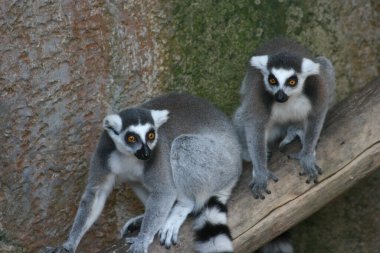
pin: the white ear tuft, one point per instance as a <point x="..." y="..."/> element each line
<point x="259" y="62"/>
<point x="113" y="123"/>
<point x="159" y="117"/>
<point x="309" y="67"/>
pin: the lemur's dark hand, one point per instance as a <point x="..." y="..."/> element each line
<point x="259" y="183"/>
<point x="310" y="168"/>
<point x="60" y="249"/>
<point x="138" y="244"/>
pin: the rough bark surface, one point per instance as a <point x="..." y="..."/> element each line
<point x="346" y="153"/>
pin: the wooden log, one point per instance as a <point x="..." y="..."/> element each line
<point x="348" y="150"/>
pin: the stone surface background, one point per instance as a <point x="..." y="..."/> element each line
<point x="349" y="223"/>
<point x="65" y="64"/>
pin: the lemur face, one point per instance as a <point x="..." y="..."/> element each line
<point x="134" y="131"/>
<point x="140" y="139"/>
<point x="284" y="75"/>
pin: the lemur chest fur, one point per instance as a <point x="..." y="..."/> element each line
<point x="295" y="109"/>
<point x="127" y="167"/>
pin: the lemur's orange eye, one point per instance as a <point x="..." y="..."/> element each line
<point x="151" y="136"/>
<point x="292" y="82"/>
<point x="131" y="139"/>
<point x="272" y="80"/>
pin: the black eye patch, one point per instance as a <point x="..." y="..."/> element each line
<point x="272" y="80"/>
<point x="292" y="81"/>
<point x="150" y="135"/>
<point x="131" y="138"/>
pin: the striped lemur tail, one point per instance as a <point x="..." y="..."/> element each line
<point x="211" y="231"/>
<point x="280" y="244"/>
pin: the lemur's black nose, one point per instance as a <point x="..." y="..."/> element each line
<point x="143" y="153"/>
<point x="281" y="96"/>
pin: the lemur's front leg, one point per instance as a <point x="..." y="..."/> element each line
<point x="90" y="207"/>
<point x="307" y="156"/>
<point x="257" y="148"/>
<point x="156" y="211"/>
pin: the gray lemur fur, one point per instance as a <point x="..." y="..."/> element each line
<point x="271" y="109"/>
<point x="190" y="165"/>
<point x="280" y="244"/>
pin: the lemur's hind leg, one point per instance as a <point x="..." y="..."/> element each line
<point x="291" y="134"/>
<point x="131" y="225"/>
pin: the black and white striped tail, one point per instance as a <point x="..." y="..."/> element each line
<point x="212" y="234"/>
<point x="280" y="244"/>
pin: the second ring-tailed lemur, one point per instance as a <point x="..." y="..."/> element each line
<point x="286" y="93"/>
<point x="186" y="163"/>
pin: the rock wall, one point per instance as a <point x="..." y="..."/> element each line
<point x="213" y="41"/>
<point x="65" y="64"/>
<point x="349" y="223"/>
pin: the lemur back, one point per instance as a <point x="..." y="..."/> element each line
<point x="189" y="115"/>
<point x="180" y="155"/>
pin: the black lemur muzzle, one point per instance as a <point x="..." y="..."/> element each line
<point x="280" y="96"/>
<point x="143" y="153"/>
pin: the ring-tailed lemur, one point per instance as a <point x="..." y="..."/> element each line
<point x="280" y="244"/>
<point x="286" y="93"/>
<point x="188" y="163"/>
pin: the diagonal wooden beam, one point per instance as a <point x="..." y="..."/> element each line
<point x="348" y="150"/>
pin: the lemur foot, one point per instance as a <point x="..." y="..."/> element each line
<point x="131" y="225"/>
<point x="259" y="183"/>
<point x="137" y="245"/>
<point x="169" y="233"/>
<point x="60" y="249"/>
<point x="291" y="135"/>
<point x="310" y="168"/>
<point x="269" y="155"/>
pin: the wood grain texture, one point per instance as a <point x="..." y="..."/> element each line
<point x="348" y="150"/>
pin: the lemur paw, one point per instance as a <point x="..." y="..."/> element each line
<point x="310" y="168"/>
<point x="60" y="249"/>
<point x="137" y="245"/>
<point x="259" y="183"/>
<point x="292" y="133"/>
<point x="269" y="155"/>
<point x="131" y="225"/>
<point x="169" y="233"/>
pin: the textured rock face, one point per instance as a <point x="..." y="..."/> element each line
<point x="214" y="40"/>
<point x="349" y="224"/>
<point x="65" y="64"/>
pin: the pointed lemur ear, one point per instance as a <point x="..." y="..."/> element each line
<point x="309" y="67"/>
<point x="159" y="117"/>
<point x="113" y="123"/>
<point x="259" y="62"/>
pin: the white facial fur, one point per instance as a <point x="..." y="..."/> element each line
<point x="112" y="121"/>
<point x="282" y="75"/>
<point x="308" y="67"/>
<point x="259" y="62"/>
<point x="113" y="125"/>
<point x="159" y="117"/>
<point x="141" y="131"/>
